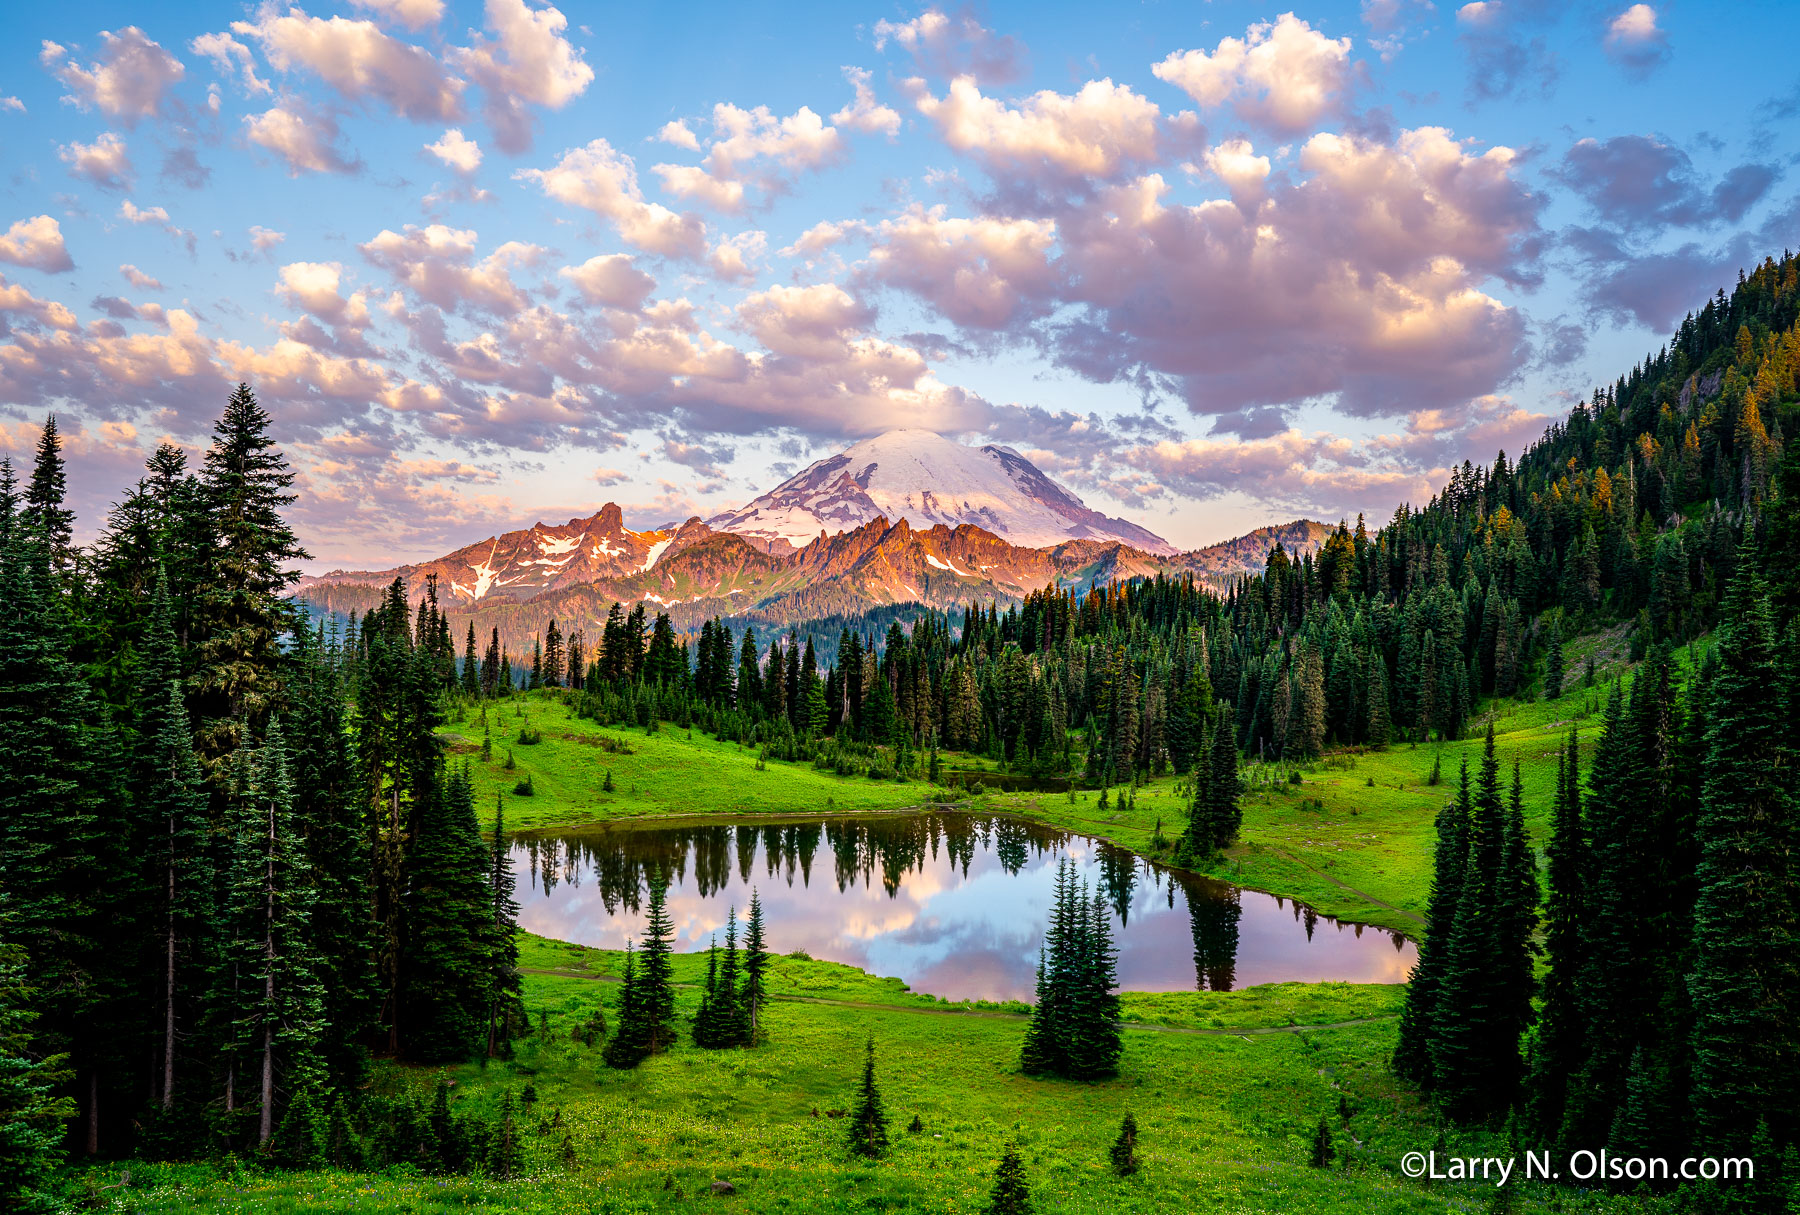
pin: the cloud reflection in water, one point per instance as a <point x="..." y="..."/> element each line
<point x="953" y="904"/>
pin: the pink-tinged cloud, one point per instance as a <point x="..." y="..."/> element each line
<point x="230" y="56"/>
<point x="1097" y="132"/>
<point x="1282" y="76"/>
<point x="810" y="322"/>
<point x="989" y="272"/>
<point x="437" y="264"/>
<point x="609" y="279"/>
<point x="457" y="151"/>
<point x="599" y="179"/>
<point x="15" y="300"/>
<point x="413" y="14"/>
<point x="865" y="113"/>
<point x="359" y="61"/>
<point x="946" y="46"/>
<point x="103" y="163"/>
<point x="130" y="82"/>
<point x="137" y="278"/>
<point x="304" y="139"/>
<point x="1636" y="43"/>
<point x="38" y="243"/>
<point x="527" y="62"/>
<point x="745" y="150"/>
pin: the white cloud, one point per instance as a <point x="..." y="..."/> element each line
<point x="457" y="151"/>
<point x="413" y="14"/>
<point x="1095" y="132"/>
<point x="679" y="134"/>
<point x="437" y="263"/>
<point x="17" y="300"/>
<point x="102" y="163"/>
<point x="359" y="60"/>
<point x="1285" y="76"/>
<point x="741" y="138"/>
<point x="731" y="258"/>
<point x="137" y="278"/>
<point x="1635" y="42"/>
<point x="36" y="242"/>
<point x="865" y="113"/>
<point x="599" y="179"/>
<point x="263" y="239"/>
<point x="611" y="279"/>
<point x="528" y="63"/>
<point x="955" y="46"/>
<point x="229" y="55"/>
<point x="129" y="83"/>
<point x="11" y="105"/>
<point x="305" y="140"/>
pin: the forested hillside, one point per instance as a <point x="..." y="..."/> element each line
<point x="238" y="865"/>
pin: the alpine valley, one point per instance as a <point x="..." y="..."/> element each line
<point x="906" y="517"/>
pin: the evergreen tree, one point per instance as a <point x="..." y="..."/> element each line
<point x="868" y="1123"/>
<point x="242" y="612"/>
<point x="43" y="513"/>
<point x="1419" y="1015"/>
<point x="1322" y="1151"/>
<point x="59" y="784"/>
<point x="449" y="953"/>
<point x="1475" y="1044"/>
<point x="31" y="1111"/>
<point x="656" y="993"/>
<point x="1553" y="670"/>
<point x="756" y="969"/>
<point x="1558" y="1049"/>
<point x="1124" y="1149"/>
<point x="1745" y="982"/>
<point x="329" y="809"/>
<point x="275" y="998"/>
<point x="505" y="986"/>
<point x="1010" y="1195"/>
<point x="630" y="1043"/>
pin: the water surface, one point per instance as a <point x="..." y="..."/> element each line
<point x="954" y="904"/>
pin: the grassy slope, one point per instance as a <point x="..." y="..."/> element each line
<point x="1225" y="1119"/>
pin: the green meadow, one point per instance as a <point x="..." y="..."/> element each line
<point x="1227" y="1087"/>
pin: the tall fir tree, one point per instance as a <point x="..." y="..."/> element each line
<point x="1419" y="1015"/>
<point x="1745" y="982"/>
<point x="242" y="613"/>
<point x="505" y="985"/>
<point x="1557" y="1050"/>
<point x="447" y="958"/>
<point x="868" y="1124"/>
<point x="656" y="992"/>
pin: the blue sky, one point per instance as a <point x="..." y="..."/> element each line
<point x="1211" y="265"/>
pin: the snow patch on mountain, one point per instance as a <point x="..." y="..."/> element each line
<point x="927" y="480"/>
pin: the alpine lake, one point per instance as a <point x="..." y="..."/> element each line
<point x="954" y="904"/>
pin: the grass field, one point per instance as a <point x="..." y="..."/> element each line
<point x="1226" y="1117"/>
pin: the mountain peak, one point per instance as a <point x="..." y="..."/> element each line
<point x="925" y="479"/>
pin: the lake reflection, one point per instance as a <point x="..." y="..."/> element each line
<point x="954" y="904"/>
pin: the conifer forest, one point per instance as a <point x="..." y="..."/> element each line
<point x="1183" y="608"/>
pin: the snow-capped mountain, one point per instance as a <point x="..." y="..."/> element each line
<point x="927" y="480"/>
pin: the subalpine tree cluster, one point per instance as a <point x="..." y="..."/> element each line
<point x="1074" y="1028"/>
<point x="1469" y="1001"/>
<point x="723" y="1019"/>
<point x="646" y="1009"/>
<point x="233" y="853"/>
<point x="1670" y="1011"/>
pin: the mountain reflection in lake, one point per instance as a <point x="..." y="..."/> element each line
<point x="954" y="904"/>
